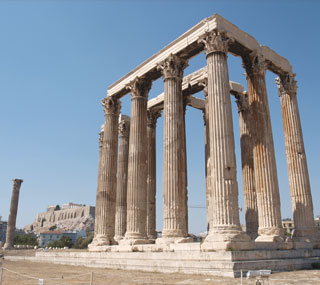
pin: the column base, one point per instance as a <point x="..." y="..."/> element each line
<point x="170" y="240"/>
<point x="102" y="240"/>
<point x="306" y="239"/>
<point x="118" y="238"/>
<point x="132" y="238"/>
<point x="227" y="240"/>
<point x="8" y="246"/>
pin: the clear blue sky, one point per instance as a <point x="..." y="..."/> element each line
<point x="57" y="59"/>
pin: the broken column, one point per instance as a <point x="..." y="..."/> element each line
<point x="11" y="227"/>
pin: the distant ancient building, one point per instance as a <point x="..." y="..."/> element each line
<point x="69" y="217"/>
<point x="3" y="230"/>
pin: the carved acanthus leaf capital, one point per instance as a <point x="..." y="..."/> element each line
<point x="101" y="134"/>
<point x="287" y="84"/>
<point x="152" y="117"/>
<point x="255" y="64"/>
<point x="124" y="128"/>
<point x="173" y="67"/>
<point x="139" y="88"/>
<point x="215" y="41"/>
<point x="242" y="101"/>
<point x="111" y="105"/>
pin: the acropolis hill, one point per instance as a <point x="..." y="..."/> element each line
<point x="69" y="216"/>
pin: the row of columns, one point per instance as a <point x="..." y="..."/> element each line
<point x="261" y="188"/>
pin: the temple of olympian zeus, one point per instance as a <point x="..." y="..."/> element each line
<point x="125" y="201"/>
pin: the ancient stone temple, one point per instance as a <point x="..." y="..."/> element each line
<point x="125" y="205"/>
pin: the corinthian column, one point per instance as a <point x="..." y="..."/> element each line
<point x="204" y="83"/>
<point x="137" y="165"/>
<point x="11" y="228"/>
<point x="299" y="183"/>
<point x="106" y="190"/>
<point x="225" y="230"/>
<point x="267" y="188"/>
<point x="174" y="160"/>
<point x="122" y="177"/>
<point x="249" y="187"/>
<point x="152" y="117"/>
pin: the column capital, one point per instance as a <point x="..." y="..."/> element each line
<point x="255" y="64"/>
<point x="215" y="41"/>
<point x="242" y="101"/>
<point x="139" y="88"/>
<point x="287" y="84"/>
<point x="204" y="82"/>
<point x="16" y="180"/>
<point x="152" y="117"/>
<point x="111" y="105"/>
<point x="101" y="134"/>
<point x="172" y="67"/>
<point x="124" y="126"/>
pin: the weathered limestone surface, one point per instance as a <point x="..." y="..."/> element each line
<point x="106" y="190"/>
<point x="11" y="227"/>
<point x="137" y="165"/>
<point x="249" y="187"/>
<point x="151" y="173"/>
<point x="225" y="230"/>
<point x="174" y="183"/>
<point x="299" y="182"/>
<point x="122" y="177"/>
<point x="267" y="188"/>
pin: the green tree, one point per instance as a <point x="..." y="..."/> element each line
<point x="52" y="228"/>
<point x="25" y="239"/>
<point x="82" y="243"/>
<point x="62" y="242"/>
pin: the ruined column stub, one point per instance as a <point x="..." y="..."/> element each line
<point x="266" y="178"/>
<point x="137" y="165"/>
<point x="225" y="230"/>
<point x="152" y="118"/>
<point x="174" y="187"/>
<point x="11" y="227"/>
<point x="299" y="183"/>
<point x="106" y="189"/>
<point x="122" y="177"/>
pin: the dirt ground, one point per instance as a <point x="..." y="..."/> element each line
<point x="26" y="272"/>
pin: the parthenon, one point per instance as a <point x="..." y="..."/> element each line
<point x="125" y="201"/>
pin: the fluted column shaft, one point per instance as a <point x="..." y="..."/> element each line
<point x="224" y="215"/>
<point x="106" y="190"/>
<point x="267" y="188"/>
<point x="184" y="170"/>
<point x="11" y="227"/>
<point x="174" y="183"/>
<point x="299" y="182"/>
<point x="137" y="164"/>
<point x="122" y="177"/>
<point x="207" y="150"/>
<point x="151" y="173"/>
<point x="249" y="188"/>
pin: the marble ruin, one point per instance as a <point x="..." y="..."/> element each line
<point x="11" y="226"/>
<point x="125" y="204"/>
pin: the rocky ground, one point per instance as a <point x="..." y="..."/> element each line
<point x="26" y="272"/>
